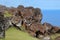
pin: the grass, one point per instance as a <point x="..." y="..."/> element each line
<point x="7" y="14"/>
<point x="54" y="36"/>
<point x="15" y="34"/>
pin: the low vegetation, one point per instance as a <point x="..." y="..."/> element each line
<point x="54" y="36"/>
<point x="15" y="34"/>
<point x="7" y="14"/>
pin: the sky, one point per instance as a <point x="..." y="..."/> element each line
<point x="50" y="17"/>
<point x="43" y="4"/>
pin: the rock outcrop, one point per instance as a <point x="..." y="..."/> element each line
<point x="2" y="25"/>
<point x="27" y="18"/>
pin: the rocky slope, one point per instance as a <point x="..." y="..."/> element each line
<point x="26" y="19"/>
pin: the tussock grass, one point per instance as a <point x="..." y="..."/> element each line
<point x="15" y="34"/>
<point x="7" y="14"/>
<point x="54" y="36"/>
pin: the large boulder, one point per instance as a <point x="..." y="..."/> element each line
<point x="20" y="7"/>
<point x="3" y="8"/>
<point x="8" y="23"/>
<point x="27" y="14"/>
<point x="48" y="27"/>
<point x="37" y="14"/>
<point x="55" y="29"/>
<point x="2" y="25"/>
<point x="30" y="14"/>
<point x="37" y="29"/>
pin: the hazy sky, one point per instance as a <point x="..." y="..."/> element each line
<point x="51" y="17"/>
<point x="43" y="4"/>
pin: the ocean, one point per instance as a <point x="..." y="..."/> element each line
<point x="51" y="16"/>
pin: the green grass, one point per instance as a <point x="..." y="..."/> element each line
<point x="54" y="36"/>
<point x="7" y="14"/>
<point x="15" y="34"/>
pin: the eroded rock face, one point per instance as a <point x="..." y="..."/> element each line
<point x="26" y="14"/>
<point x="28" y="17"/>
<point x="36" y="28"/>
<point x="56" y="29"/>
<point x="32" y="14"/>
<point x="20" y="7"/>
<point x="16" y="21"/>
<point x="37" y="14"/>
<point x="48" y="27"/>
<point x="2" y="8"/>
<point x="2" y="25"/>
<point x="8" y="23"/>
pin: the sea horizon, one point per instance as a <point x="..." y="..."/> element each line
<point x="51" y="16"/>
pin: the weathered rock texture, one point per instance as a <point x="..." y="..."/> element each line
<point x="2" y="25"/>
<point x="27" y="18"/>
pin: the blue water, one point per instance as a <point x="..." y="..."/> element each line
<point x="51" y="16"/>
